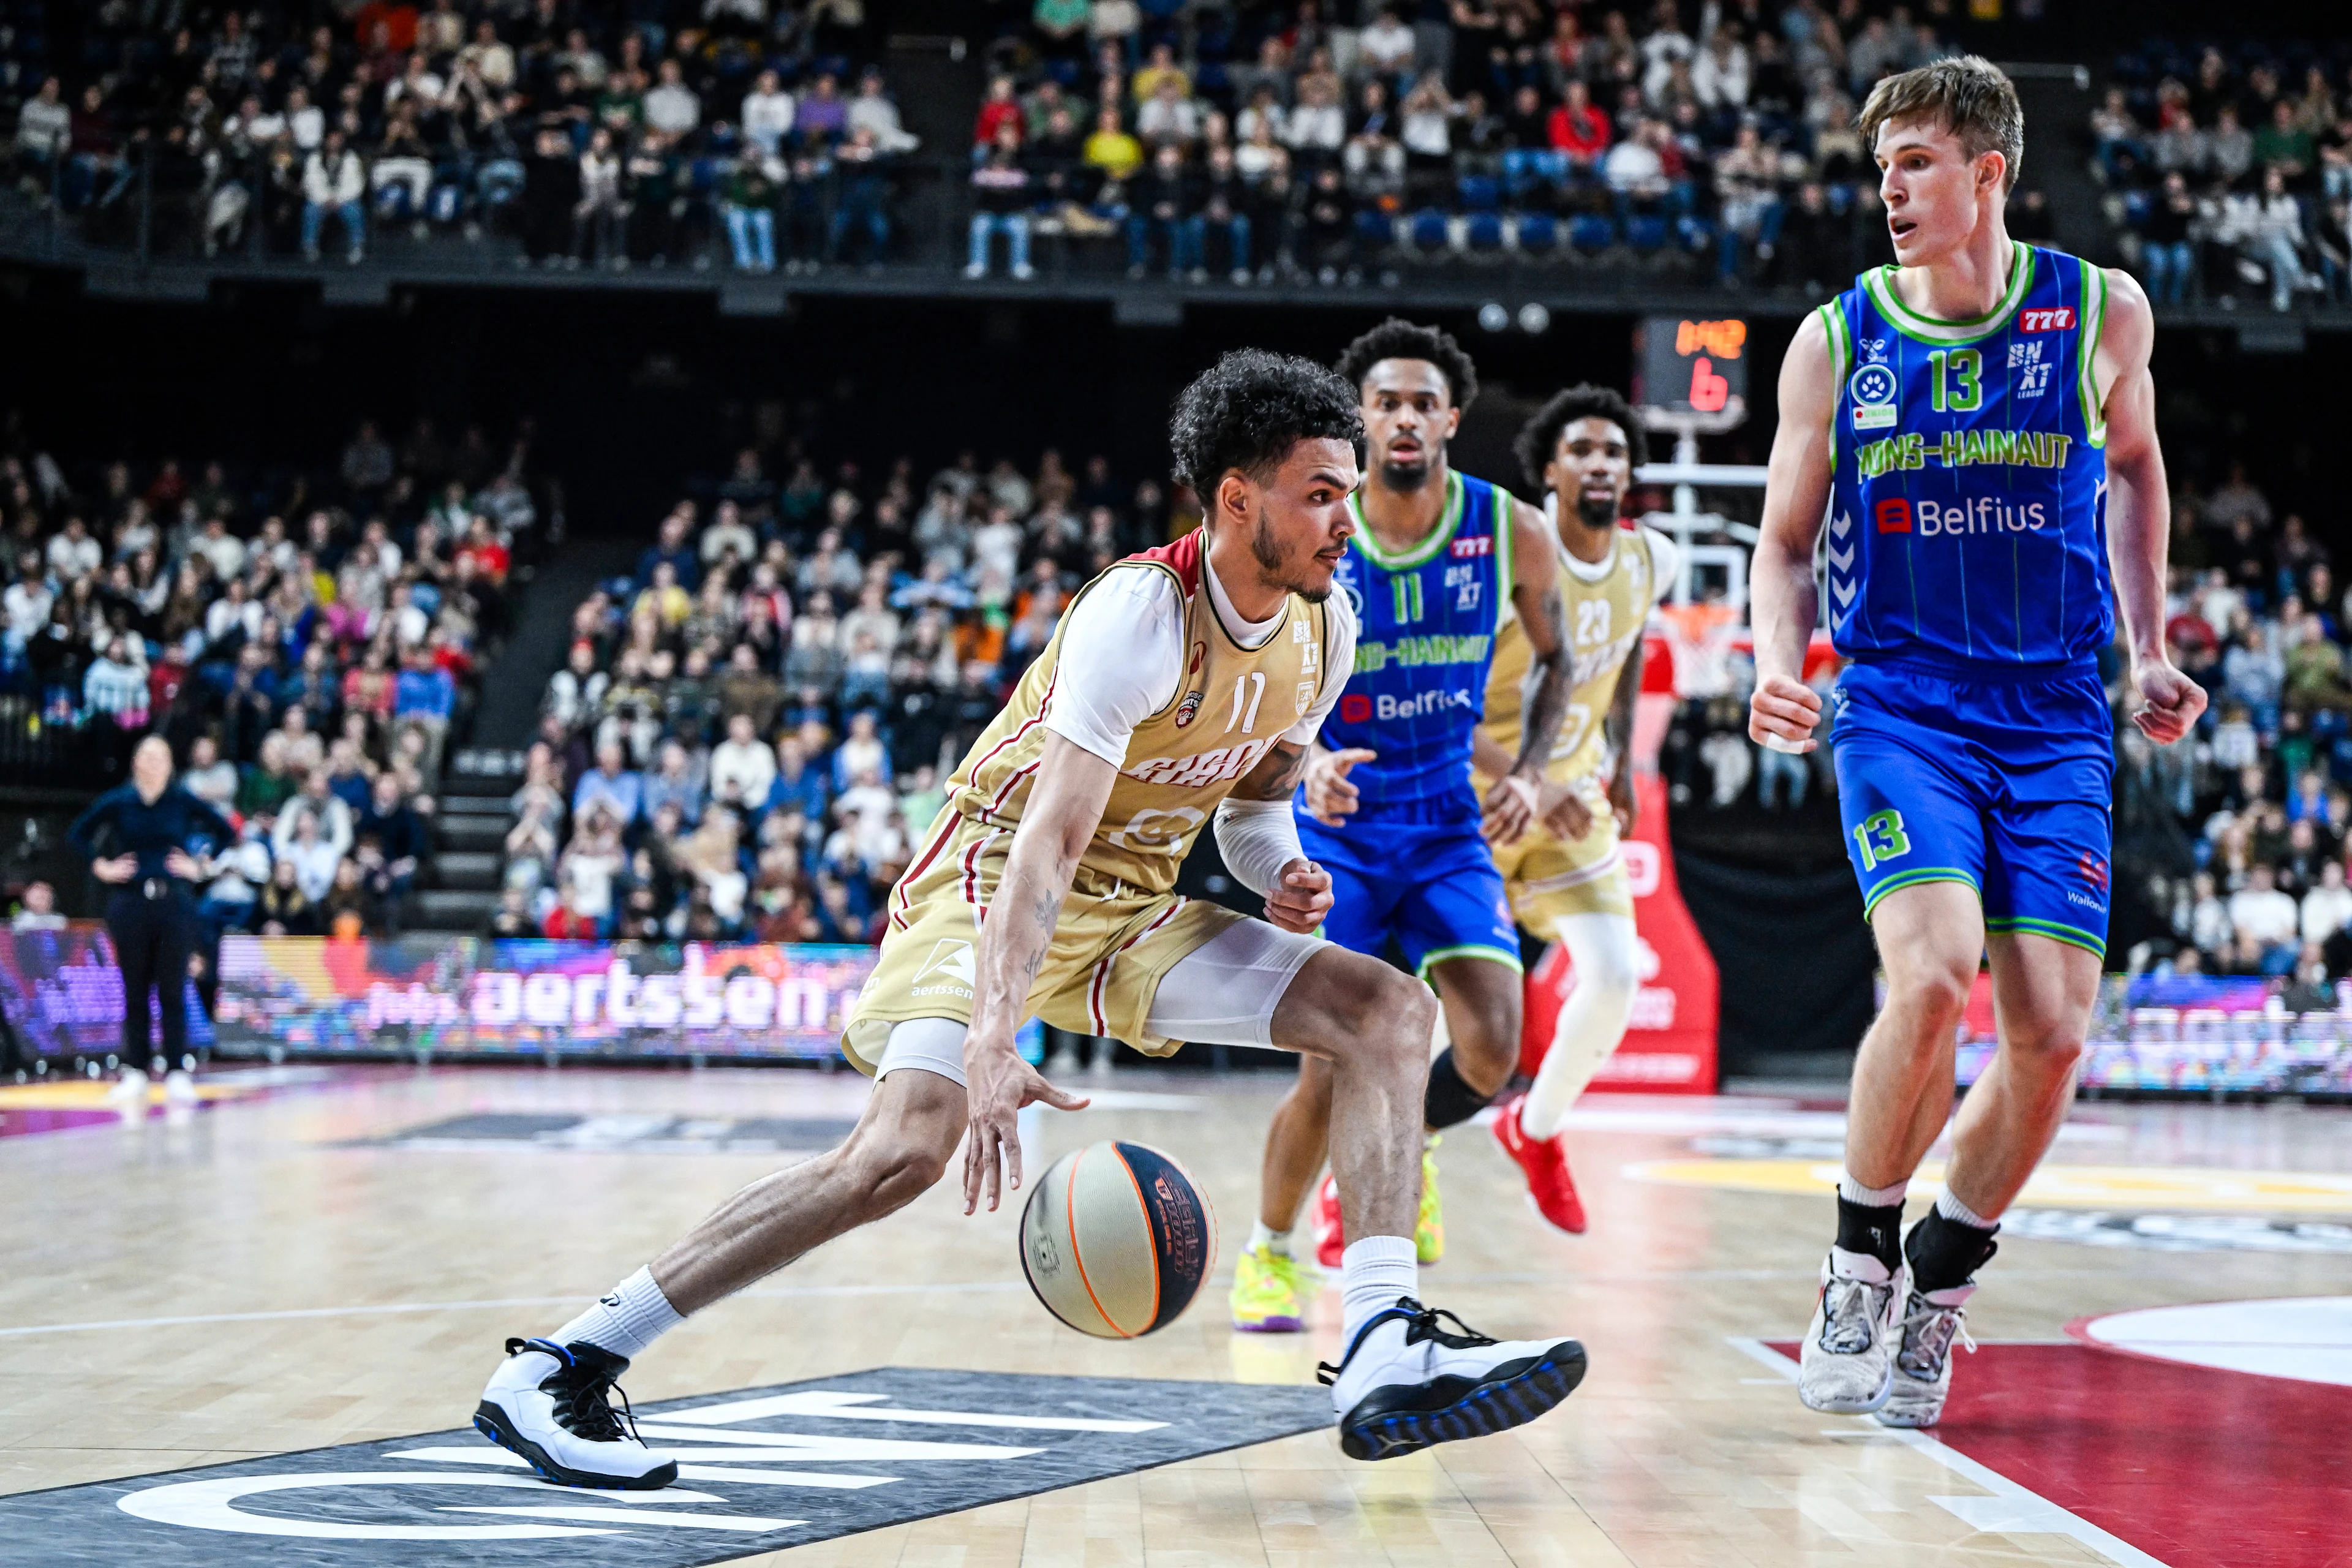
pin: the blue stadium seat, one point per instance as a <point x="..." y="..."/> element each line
<point x="1645" y="234"/>
<point x="1483" y="235"/>
<point x="1538" y="234"/>
<point x="1428" y="231"/>
<point x="1592" y="234"/>
<point x="1479" y="193"/>
<point x="1373" y="229"/>
<point x="2138" y="204"/>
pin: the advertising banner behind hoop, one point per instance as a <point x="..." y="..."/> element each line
<point x="464" y="996"/>
<point x="1670" y="1047"/>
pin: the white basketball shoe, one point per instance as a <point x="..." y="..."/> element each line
<point x="1847" y="1363"/>
<point x="1923" y="1356"/>
<point x="1406" y="1384"/>
<point x="551" y="1403"/>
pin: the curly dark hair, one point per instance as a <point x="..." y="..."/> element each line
<point x="1540" y="436"/>
<point x="1250" y="408"/>
<point x="1399" y="339"/>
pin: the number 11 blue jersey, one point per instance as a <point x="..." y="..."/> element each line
<point x="1425" y="625"/>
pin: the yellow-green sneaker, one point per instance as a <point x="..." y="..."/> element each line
<point x="1266" y="1293"/>
<point x="1429" y="1226"/>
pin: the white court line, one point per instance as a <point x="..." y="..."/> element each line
<point x="2012" y="1510"/>
<point x="294" y="1312"/>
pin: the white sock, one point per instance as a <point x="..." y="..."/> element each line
<point x="625" y="1320"/>
<point x="1958" y="1213"/>
<point x="1854" y="1192"/>
<point x="1275" y="1241"/>
<point x="1373" y="1272"/>
<point x="1602" y="951"/>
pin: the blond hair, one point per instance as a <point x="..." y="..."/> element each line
<point x="1967" y="95"/>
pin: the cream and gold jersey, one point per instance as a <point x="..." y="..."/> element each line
<point x="1231" y="705"/>
<point x="1607" y="606"/>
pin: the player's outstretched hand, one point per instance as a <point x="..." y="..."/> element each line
<point x="2170" y="703"/>
<point x="1331" y="798"/>
<point x="1782" y="714"/>
<point x="1300" y="899"/>
<point x="998" y="1084"/>
<point x="1511" y="806"/>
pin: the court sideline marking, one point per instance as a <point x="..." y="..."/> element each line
<point x="287" y="1314"/>
<point x="293" y="1312"/>
<point x="2012" y="1509"/>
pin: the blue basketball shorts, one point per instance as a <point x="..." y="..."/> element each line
<point x="2004" y="785"/>
<point x="1429" y="887"/>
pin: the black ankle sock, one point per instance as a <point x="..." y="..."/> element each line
<point x="1945" y="1253"/>
<point x="1870" y="1229"/>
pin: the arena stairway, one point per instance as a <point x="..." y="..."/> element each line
<point x="459" y="888"/>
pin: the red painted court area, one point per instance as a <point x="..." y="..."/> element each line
<point x="2198" y="1468"/>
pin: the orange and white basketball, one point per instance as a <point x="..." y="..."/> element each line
<point x="1116" y="1239"/>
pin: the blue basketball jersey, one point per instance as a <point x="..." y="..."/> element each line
<point x="1425" y="625"/>
<point x="1968" y="514"/>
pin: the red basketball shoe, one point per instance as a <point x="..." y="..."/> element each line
<point x="1551" y="1188"/>
<point x="1330" y="1241"/>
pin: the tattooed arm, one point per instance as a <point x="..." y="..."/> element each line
<point x="1064" y="807"/>
<point x="1512" y="804"/>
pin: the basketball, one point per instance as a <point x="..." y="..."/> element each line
<point x="1116" y="1239"/>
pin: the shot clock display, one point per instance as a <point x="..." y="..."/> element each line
<point x="1693" y="364"/>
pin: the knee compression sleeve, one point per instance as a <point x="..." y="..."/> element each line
<point x="1448" y="1099"/>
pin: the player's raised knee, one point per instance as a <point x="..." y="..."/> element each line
<point x="1612" y="969"/>
<point x="895" y="1165"/>
<point x="1401" y="1010"/>
<point x="2051" y="1047"/>
<point x="1935" y="989"/>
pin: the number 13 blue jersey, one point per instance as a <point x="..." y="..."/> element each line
<point x="1968" y="510"/>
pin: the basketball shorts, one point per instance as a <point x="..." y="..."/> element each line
<point x="1112" y="947"/>
<point x="2003" y="784"/>
<point x="1547" y="877"/>
<point x="1430" y="888"/>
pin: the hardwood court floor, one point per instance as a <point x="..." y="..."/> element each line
<point x="276" y="1273"/>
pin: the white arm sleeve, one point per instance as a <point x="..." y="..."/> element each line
<point x="1122" y="654"/>
<point x="1257" y="838"/>
<point x="1341" y="618"/>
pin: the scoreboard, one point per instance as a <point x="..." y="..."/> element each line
<point x="1692" y="364"/>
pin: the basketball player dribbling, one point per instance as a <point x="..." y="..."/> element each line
<point x="1976" y="427"/>
<point x="1566" y="879"/>
<point x="1439" y="563"/>
<point x="1181" y="683"/>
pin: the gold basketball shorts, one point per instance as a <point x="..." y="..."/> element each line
<point x="1545" y="877"/>
<point x="1112" y="946"/>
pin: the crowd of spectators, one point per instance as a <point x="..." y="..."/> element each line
<point x="306" y="640"/>
<point x="651" y="133"/>
<point x="752" y="730"/>
<point x="1329" y="140"/>
<point x="2230" y="170"/>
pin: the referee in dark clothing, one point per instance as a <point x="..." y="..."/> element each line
<point x="160" y="835"/>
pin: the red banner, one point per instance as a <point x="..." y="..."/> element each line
<point x="1670" y="1045"/>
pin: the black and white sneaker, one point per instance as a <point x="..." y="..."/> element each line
<point x="1406" y="1384"/>
<point x="551" y="1403"/>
